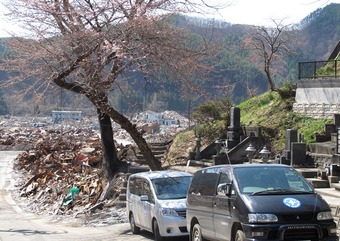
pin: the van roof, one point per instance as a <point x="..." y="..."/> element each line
<point x="160" y="174"/>
<point x="247" y="165"/>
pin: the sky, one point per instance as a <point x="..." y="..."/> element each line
<point x="253" y="12"/>
<point x="261" y="12"/>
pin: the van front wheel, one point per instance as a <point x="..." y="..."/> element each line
<point x="196" y="233"/>
<point x="240" y="236"/>
<point x="158" y="236"/>
<point x="133" y="227"/>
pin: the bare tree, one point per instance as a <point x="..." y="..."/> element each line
<point x="89" y="47"/>
<point x="268" y="45"/>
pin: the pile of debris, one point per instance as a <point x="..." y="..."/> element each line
<point x="61" y="177"/>
<point x="59" y="172"/>
<point x="16" y="138"/>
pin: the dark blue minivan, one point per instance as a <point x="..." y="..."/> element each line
<point x="256" y="202"/>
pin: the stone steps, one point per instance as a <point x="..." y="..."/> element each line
<point x="308" y="172"/>
<point x="121" y="200"/>
<point x="161" y="147"/>
<point x="158" y="156"/>
<point x="158" y="149"/>
<point x="318" y="183"/>
<point x="135" y="169"/>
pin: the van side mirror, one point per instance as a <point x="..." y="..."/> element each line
<point x="144" y="198"/>
<point x="224" y="189"/>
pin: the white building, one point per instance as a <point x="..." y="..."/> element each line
<point x="151" y="116"/>
<point x="66" y="115"/>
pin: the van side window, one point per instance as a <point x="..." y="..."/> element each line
<point x="147" y="191"/>
<point x="138" y="186"/>
<point x="225" y="178"/>
<point x="195" y="183"/>
<point x="208" y="183"/>
<point x="132" y="188"/>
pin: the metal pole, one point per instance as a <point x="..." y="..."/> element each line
<point x="335" y="70"/>
<point x="314" y="71"/>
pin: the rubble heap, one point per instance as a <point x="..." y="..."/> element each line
<point x="61" y="177"/>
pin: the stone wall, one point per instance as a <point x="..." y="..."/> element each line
<point x="315" y="110"/>
<point x="318" y="98"/>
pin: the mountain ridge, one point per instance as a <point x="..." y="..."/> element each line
<point x="317" y="36"/>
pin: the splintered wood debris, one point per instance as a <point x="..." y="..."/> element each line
<point x="61" y="175"/>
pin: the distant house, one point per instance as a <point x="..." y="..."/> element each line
<point x="66" y="115"/>
<point x="149" y="116"/>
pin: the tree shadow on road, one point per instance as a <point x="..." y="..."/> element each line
<point x="30" y="232"/>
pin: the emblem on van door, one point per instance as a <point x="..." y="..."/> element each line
<point x="291" y="202"/>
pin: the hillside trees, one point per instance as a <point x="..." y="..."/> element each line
<point x="92" y="47"/>
<point x="320" y="32"/>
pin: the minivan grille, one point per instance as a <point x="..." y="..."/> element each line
<point x="294" y="217"/>
<point x="301" y="234"/>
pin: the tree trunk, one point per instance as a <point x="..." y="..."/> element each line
<point x="110" y="163"/>
<point x="269" y="77"/>
<point x="103" y="104"/>
<point x="138" y="138"/>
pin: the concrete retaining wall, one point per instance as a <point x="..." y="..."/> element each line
<point x="317" y="110"/>
<point x="318" y="98"/>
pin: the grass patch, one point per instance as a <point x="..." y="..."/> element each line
<point x="274" y="113"/>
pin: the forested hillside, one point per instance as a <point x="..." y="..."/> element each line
<point x="320" y="33"/>
<point x="236" y="75"/>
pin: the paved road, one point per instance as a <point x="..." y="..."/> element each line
<point x="18" y="225"/>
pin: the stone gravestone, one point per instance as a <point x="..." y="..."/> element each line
<point x="336" y="156"/>
<point x="329" y="129"/>
<point x="298" y="154"/>
<point x="291" y="136"/>
<point x="337" y="120"/>
<point x="234" y="130"/>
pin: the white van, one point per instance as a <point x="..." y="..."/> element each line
<point x="156" y="202"/>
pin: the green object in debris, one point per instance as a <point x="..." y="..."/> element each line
<point x="74" y="190"/>
<point x="71" y="196"/>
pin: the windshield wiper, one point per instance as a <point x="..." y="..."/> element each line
<point x="279" y="191"/>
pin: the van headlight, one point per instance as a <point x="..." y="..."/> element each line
<point x="169" y="212"/>
<point x="262" y="218"/>
<point x="325" y="215"/>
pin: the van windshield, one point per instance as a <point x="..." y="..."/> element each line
<point x="171" y="187"/>
<point x="271" y="181"/>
